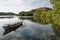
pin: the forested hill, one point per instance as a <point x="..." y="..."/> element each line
<point x="30" y="13"/>
<point x="7" y="13"/>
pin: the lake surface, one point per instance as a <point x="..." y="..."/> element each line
<point x="30" y="31"/>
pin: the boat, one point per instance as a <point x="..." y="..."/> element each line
<point x="12" y="27"/>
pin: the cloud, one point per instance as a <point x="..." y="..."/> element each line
<point x="38" y="3"/>
<point x="22" y="5"/>
<point x="13" y="6"/>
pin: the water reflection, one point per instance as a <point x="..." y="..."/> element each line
<point x="31" y="31"/>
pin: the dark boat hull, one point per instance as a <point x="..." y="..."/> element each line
<point x="12" y="28"/>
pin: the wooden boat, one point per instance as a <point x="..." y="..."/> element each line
<point x="12" y="27"/>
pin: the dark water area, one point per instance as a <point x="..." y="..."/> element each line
<point x="30" y="31"/>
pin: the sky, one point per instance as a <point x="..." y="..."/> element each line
<point x="22" y="5"/>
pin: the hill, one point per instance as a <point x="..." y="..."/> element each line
<point x="7" y="13"/>
<point x="30" y="13"/>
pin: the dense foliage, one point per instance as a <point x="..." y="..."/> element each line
<point x="54" y="1"/>
<point x="56" y="19"/>
<point x="42" y="17"/>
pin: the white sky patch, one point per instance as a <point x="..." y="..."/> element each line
<point x="13" y="6"/>
<point x="22" y="5"/>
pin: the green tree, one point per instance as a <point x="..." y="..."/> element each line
<point x="54" y="1"/>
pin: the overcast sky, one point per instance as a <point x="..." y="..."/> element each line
<point x="22" y="5"/>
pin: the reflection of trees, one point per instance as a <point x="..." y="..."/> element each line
<point x="23" y="18"/>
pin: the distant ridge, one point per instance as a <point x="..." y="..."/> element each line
<point x="7" y="13"/>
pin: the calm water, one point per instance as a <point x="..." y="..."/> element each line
<point x="31" y="30"/>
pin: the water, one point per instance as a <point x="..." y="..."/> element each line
<point x="31" y="30"/>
